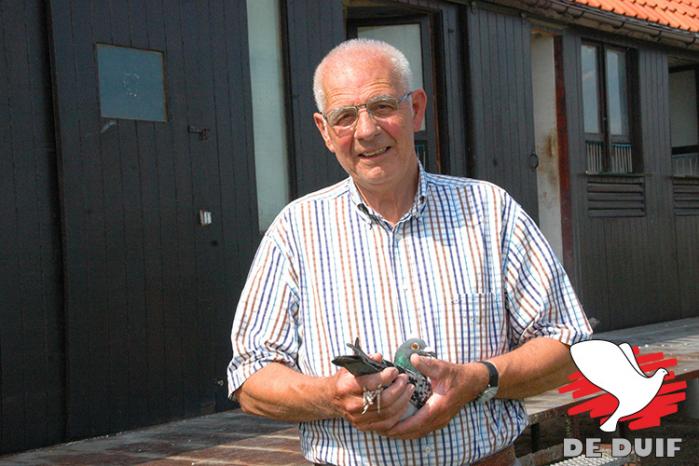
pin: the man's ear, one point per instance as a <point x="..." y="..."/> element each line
<point x="418" y="102"/>
<point x="323" y="128"/>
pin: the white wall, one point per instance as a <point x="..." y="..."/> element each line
<point x="269" y="121"/>
<point x="546" y="138"/>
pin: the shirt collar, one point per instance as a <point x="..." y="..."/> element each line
<point x="369" y="215"/>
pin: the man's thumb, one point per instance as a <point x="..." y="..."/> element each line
<point x="428" y="367"/>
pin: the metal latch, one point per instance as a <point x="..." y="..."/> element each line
<point x="205" y="218"/>
<point x="202" y="132"/>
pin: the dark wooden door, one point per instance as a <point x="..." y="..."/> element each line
<point x="150" y="284"/>
<point x="502" y="110"/>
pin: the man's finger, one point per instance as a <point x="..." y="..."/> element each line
<point x="394" y="391"/>
<point x="395" y="412"/>
<point x="412" y="424"/>
<point x="383" y="379"/>
<point x="429" y="367"/>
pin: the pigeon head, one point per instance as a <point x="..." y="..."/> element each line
<point x="407" y="349"/>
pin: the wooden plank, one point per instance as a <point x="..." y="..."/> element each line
<point x="614" y="188"/>
<point x="238" y="212"/>
<point x="74" y="237"/>
<point x="50" y="378"/>
<point x="192" y="314"/>
<point x="612" y="213"/>
<point x="158" y="212"/>
<point x="455" y="143"/>
<point x="89" y="379"/>
<point x="615" y="204"/>
<point x="12" y="419"/>
<point x="179" y="275"/>
<point x="210" y="276"/>
<point x="611" y="196"/>
<point x="475" y="98"/>
<point x="127" y="28"/>
<point x="31" y="351"/>
<point x="314" y="167"/>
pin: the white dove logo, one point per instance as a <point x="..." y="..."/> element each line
<point x="615" y="370"/>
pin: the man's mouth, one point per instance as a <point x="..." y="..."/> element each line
<point x="375" y="153"/>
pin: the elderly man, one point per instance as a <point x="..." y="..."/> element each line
<point x="393" y="252"/>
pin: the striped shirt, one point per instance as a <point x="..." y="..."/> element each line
<point x="465" y="269"/>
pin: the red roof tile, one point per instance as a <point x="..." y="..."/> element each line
<point x="678" y="14"/>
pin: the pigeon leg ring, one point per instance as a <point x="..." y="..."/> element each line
<point x="371" y="396"/>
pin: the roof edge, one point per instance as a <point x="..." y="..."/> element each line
<point x="570" y="12"/>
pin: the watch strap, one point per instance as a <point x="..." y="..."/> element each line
<point x="491" y="389"/>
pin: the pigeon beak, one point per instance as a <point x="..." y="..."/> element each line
<point x="427" y="351"/>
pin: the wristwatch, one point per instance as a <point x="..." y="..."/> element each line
<point x="491" y="389"/>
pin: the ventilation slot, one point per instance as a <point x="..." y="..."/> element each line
<point x="612" y="196"/>
<point x="685" y="196"/>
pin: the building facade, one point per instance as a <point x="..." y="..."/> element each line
<point x="145" y="147"/>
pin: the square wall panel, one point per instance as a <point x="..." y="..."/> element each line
<point x="131" y="83"/>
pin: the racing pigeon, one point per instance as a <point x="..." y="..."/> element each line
<point x="360" y="363"/>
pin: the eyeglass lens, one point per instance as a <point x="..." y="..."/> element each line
<point x="378" y="107"/>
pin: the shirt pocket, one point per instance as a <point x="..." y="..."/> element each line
<point x="481" y="325"/>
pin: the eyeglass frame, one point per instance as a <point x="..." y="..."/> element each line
<point x="400" y="99"/>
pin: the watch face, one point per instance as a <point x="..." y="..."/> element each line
<point x="488" y="394"/>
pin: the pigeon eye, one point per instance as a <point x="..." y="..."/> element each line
<point x="415" y="346"/>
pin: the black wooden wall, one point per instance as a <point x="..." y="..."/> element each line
<point x="631" y="269"/>
<point x="499" y="63"/>
<point x="31" y="325"/>
<point x="314" y="28"/>
<point x="150" y="293"/>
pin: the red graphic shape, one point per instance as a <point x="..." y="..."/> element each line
<point x="602" y="406"/>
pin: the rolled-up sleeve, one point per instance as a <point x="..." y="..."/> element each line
<point x="264" y="327"/>
<point x="540" y="300"/>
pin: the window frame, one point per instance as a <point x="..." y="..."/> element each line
<point x="605" y="137"/>
<point x="680" y="150"/>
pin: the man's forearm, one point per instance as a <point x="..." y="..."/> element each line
<point x="279" y="392"/>
<point x="535" y="367"/>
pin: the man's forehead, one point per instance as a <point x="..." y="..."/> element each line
<point x="352" y="77"/>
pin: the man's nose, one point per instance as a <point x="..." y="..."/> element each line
<point x="366" y="125"/>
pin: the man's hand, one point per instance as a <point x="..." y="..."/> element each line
<point x="453" y="385"/>
<point x="348" y="399"/>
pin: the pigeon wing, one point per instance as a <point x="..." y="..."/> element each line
<point x="628" y="352"/>
<point x="357" y="365"/>
<point x="360" y="363"/>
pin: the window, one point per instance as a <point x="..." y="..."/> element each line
<point x="131" y="83"/>
<point x="605" y="86"/>
<point x="684" y="120"/>
<point x="268" y="108"/>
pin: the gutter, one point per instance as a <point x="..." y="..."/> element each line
<point x="571" y="12"/>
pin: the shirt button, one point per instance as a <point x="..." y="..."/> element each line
<point x="428" y="450"/>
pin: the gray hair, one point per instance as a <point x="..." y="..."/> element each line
<point x="372" y="47"/>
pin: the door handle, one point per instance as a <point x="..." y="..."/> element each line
<point x="202" y="132"/>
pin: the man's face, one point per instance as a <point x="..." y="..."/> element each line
<point x="379" y="154"/>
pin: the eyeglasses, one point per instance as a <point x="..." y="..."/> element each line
<point x="344" y="119"/>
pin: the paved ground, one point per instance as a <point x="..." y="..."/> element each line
<point x="233" y="438"/>
<point x="224" y="438"/>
